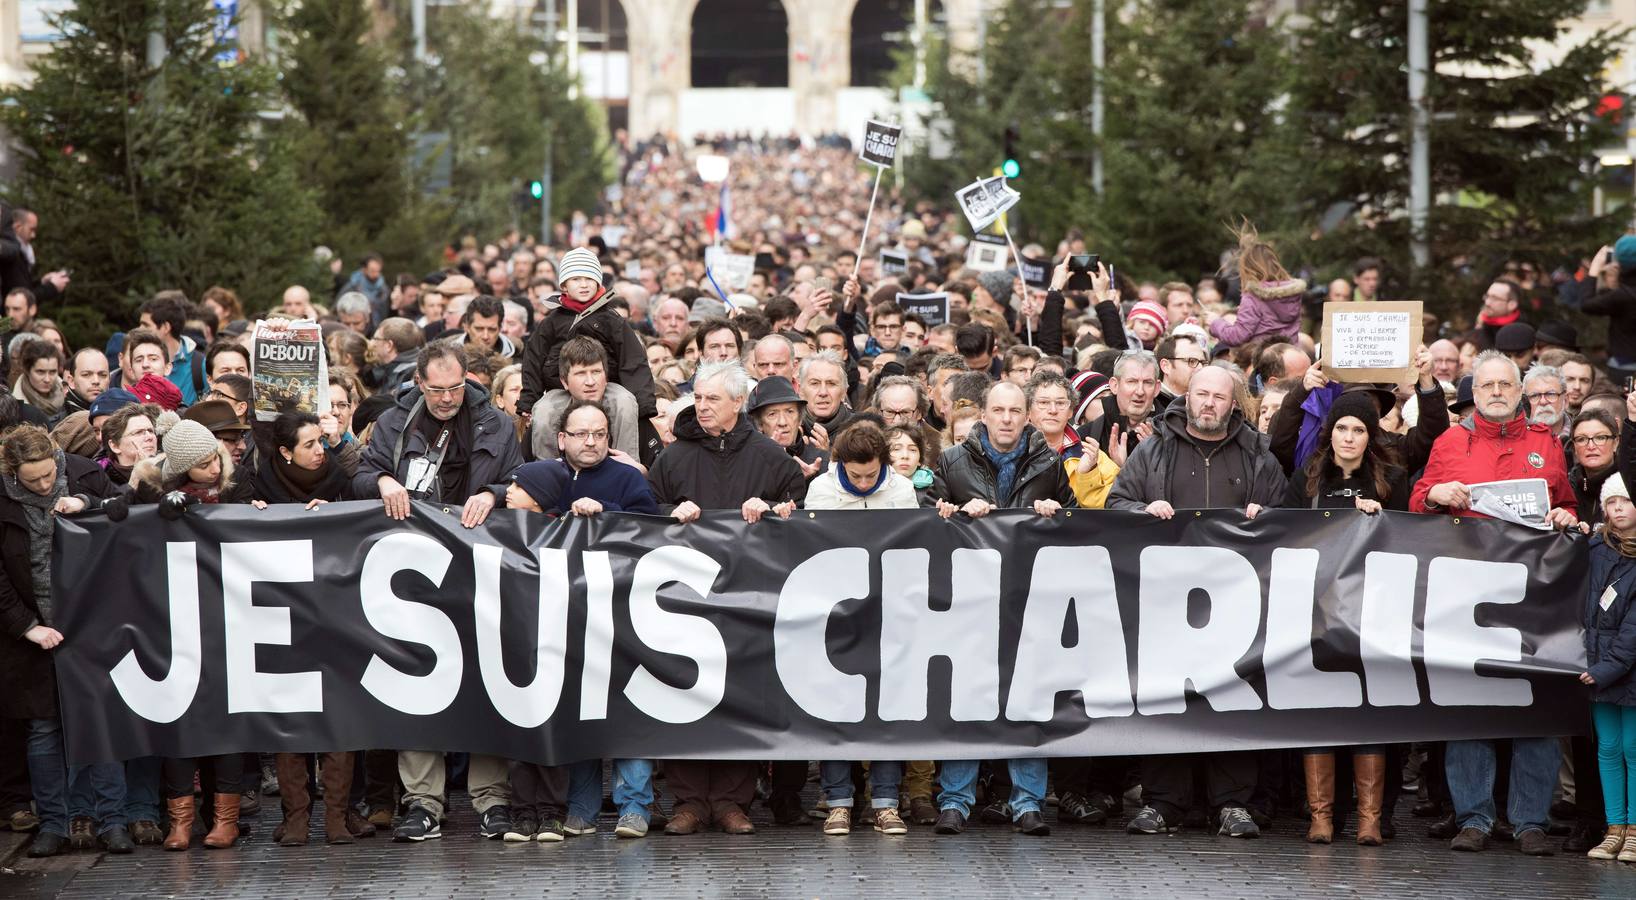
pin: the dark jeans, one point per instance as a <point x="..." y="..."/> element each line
<point x="15" y="793"/>
<point x="789" y="777"/>
<point x="711" y="788"/>
<point x="375" y="780"/>
<point x="538" y="791"/>
<point x="225" y="772"/>
<point x="52" y="779"/>
<point x="1167" y="781"/>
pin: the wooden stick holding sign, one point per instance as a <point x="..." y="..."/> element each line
<point x="880" y="149"/>
<point x="1373" y="342"/>
<point x="1016" y="259"/>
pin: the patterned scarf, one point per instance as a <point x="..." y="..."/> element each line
<point x="37" y="512"/>
<point x="1005" y="463"/>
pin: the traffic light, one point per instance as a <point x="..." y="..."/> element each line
<point x="536" y="189"/>
<point x="1012" y="167"/>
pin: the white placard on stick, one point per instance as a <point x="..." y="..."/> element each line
<point x="880" y="143"/>
<point x="713" y="169"/>
<point x="984" y="200"/>
<point x="732" y="270"/>
<point x="1372" y="341"/>
<point x="986" y="253"/>
<point x="893" y="262"/>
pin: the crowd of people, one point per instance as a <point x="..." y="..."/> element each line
<point x="610" y="373"/>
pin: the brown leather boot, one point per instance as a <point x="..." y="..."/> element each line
<point x="292" y="795"/>
<point x="1369" y="777"/>
<point x="224" y="826"/>
<point x="1320" y="772"/>
<point x="181" y="822"/>
<point x="337" y="779"/>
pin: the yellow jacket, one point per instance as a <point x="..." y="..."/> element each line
<point x="1092" y="487"/>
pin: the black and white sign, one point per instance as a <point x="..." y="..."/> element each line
<point x="831" y="635"/>
<point x="1524" y="501"/>
<point x="933" y="309"/>
<point x="984" y="200"/>
<point x="1036" y="273"/>
<point x="893" y="263"/>
<point x="880" y="143"/>
<point x="986" y="253"/>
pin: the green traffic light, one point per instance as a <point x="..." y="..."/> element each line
<point x="1011" y="169"/>
<point x="536" y="189"/>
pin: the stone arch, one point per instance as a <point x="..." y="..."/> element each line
<point x="739" y="43"/>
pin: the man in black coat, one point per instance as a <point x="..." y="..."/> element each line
<point x="17" y="261"/>
<point x="1004" y="463"/>
<point x="719" y="462"/>
<point x="1203" y="455"/>
<point x="447" y="443"/>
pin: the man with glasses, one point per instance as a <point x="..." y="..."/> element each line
<point x="1179" y="357"/>
<point x="1543" y="388"/>
<point x="446" y="443"/>
<point x="583" y="365"/>
<point x="1496" y="443"/>
<point x="885" y="329"/>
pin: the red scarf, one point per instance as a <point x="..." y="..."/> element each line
<point x="575" y="306"/>
<point x="1500" y="321"/>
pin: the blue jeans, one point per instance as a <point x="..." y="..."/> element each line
<point x="632" y="792"/>
<point x="142" y="789"/>
<point x="884" y="777"/>
<point x="1616" y="758"/>
<point x="52" y="779"/>
<point x="958" y="780"/>
<point x="1471" y="767"/>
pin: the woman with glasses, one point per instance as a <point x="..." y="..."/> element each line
<point x="1593" y="446"/>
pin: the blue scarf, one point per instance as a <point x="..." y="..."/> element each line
<point x="1006" y="463"/>
<point x="850" y="488"/>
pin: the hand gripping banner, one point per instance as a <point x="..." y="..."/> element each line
<point x="832" y="635"/>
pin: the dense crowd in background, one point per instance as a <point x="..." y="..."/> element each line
<point x="609" y="372"/>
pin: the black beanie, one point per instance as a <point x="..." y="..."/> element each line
<point x="1360" y="405"/>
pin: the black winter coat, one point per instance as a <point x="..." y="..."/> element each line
<point x="627" y="358"/>
<point x="16" y="272"/>
<point x="964" y="472"/>
<point x="1332" y="491"/>
<point x="28" y="683"/>
<point x="723" y="471"/>
<point x="494" y="450"/>
<point x="1619" y="305"/>
<point x="1149" y="471"/>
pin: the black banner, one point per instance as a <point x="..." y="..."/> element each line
<point x="833" y="635"/>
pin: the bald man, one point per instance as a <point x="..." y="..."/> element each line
<point x="670" y="322"/>
<point x="1445" y="356"/>
<point x="1340" y="291"/>
<point x="297" y="302"/>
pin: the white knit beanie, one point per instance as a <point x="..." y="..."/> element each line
<point x="579" y="263"/>
<point x="188" y="444"/>
<point x="1614" y="487"/>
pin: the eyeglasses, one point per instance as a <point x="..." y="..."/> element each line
<point x="1191" y="362"/>
<point x="1585" y="440"/>
<point x="1496" y="386"/>
<point x="442" y="391"/>
<point x="897" y="413"/>
<point x="1537" y="396"/>
<point x="342" y="405"/>
<point x="600" y="435"/>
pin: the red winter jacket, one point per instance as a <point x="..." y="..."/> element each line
<point x="1479" y="450"/>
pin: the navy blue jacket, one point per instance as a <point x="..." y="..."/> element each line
<point x="615" y="485"/>
<point x="1610" y="634"/>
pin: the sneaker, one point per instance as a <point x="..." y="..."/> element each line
<point x="269" y="780"/>
<point x="417" y="825"/>
<point x="21" y="821"/>
<point x="887" y="821"/>
<point x="631" y="825"/>
<point x="1031" y="823"/>
<point x="550" y="832"/>
<point x="950" y="821"/>
<point x="523" y="828"/>
<point x="494" y="821"/>
<point x="577" y="826"/>
<point x="996" y="813"/>
<point x="1076" y="810"/>
<point x="839" y="821"/>
<point x="1149" y="821"/>
<point x="82" y="833"/>
<point x="820" y="811"/>
<point x="1237" y="822"/>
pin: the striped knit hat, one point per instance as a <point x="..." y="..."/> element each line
<point x="579" y="263"/>
<point x="1152" y="312"/>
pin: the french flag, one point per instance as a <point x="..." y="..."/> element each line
<point x="723" y="225"/>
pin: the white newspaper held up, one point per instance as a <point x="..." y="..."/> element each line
<point x="289" y="369"/>
<point x="1524" y="501"/>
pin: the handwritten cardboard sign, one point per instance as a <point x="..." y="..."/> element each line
<point x="1373" y="342"/>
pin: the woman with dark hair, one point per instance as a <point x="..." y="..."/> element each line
<point x="906" y="448"/>
<point x="40" y="483"/>
<point x="1350" y="469"/>
<point x="1593" y="446"/>
<point x="299" y="470"/>
<point x="128" y="437"/>
<point x="40" y="384"/>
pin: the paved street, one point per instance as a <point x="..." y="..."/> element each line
<point x="802" y="862"/>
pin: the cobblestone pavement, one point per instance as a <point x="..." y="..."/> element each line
<point x="802" y="862"/>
